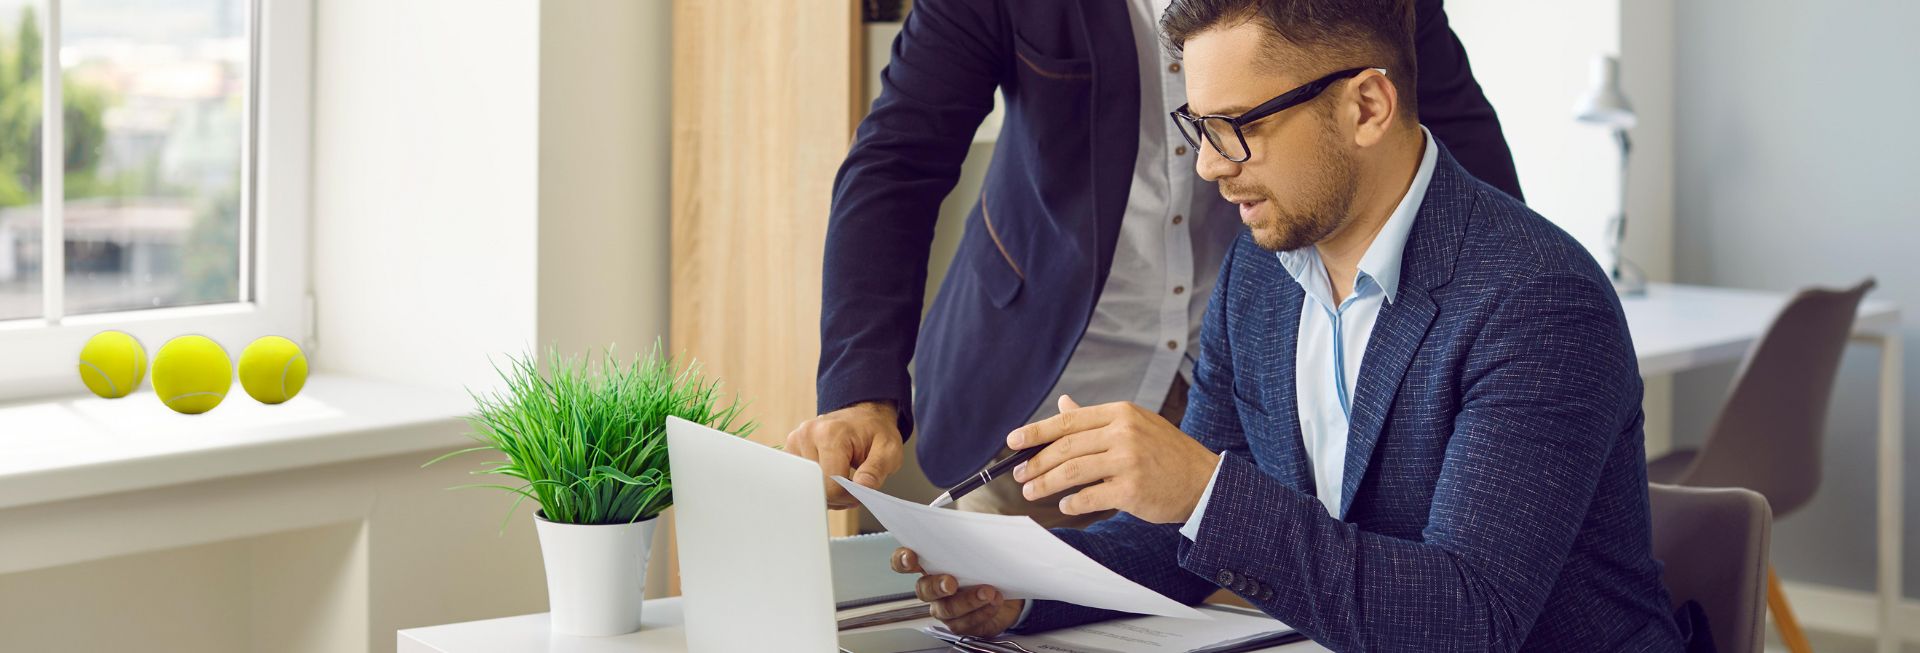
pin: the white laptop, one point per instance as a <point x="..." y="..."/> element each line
<point x="750" y="522"/>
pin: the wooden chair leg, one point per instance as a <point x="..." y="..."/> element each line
<point x="1783" y="618"/>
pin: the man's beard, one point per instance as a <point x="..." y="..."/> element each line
<point x="1323" y="206"/>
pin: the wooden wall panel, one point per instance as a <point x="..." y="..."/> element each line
<point x="763" y="111"/>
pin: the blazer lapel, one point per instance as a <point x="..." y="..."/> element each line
<point x="1426" y="264"/>
<point x="1279" y="398"/>
<point x="1396" y="337"/>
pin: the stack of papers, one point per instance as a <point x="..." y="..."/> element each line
<point x="861" y="573"/>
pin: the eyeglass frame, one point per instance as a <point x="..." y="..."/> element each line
<point x="1183" y="117"/>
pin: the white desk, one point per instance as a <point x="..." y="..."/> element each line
<point x="661" y="633"/>
<point x="1677" y="328"/>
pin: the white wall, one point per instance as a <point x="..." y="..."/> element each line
<point x="426" y="163"/>
<point x="490" y="178"/>
<point x="605" y="142"/>
<point x="1646" y="74"/>
<point x="1533" y="59"/>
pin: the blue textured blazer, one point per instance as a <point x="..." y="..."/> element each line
<point x="1495" y="489"/>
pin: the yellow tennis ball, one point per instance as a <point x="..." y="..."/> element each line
<point x="112" y="364"/>
<point x="192" y="374"/>
<point x="272" y="369"/>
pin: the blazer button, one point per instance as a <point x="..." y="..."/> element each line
<point x="1253" y="589"/>
<point x="1225" y="579"/>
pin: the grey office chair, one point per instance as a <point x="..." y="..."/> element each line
<point x="1714" y="544"/>
<point x="1768" y="434"/>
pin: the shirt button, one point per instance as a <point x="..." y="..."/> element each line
<point x="1172" y="344"/>
<point x="1179" y="219"/>
<point x="1179" y="289"/>
<point x="1173" y="67"/>
<point x="1180" y="151"/>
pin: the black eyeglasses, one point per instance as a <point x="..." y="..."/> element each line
<point x="1223" y="132"/>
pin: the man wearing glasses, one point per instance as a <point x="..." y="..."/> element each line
<point x="1086" y="264"/>
<point x="1415" y="422"/>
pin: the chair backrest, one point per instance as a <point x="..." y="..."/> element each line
<point x="1767" y="437"/>
<point x="1713" y="542"/>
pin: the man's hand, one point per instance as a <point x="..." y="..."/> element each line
<point x="1142" y="464"/>
<point x="977" y="611"/>
<point x="860" y="442"/>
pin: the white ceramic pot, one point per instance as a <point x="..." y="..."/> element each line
<point x="596" y="575"/>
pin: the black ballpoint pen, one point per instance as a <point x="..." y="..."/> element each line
<point x="992" y="471"/>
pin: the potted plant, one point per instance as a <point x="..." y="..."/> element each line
<point x="590" y="446"/>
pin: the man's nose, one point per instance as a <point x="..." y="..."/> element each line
<point x="1211" y="165"/>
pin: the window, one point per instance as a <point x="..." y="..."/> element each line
<point x="152" y="176"/>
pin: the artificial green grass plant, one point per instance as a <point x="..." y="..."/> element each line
<point x="590" y="446"/>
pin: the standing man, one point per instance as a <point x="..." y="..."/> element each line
<point x="1087" y="263"/>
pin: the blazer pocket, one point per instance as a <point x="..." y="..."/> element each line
<point x="1248" y="400"/>
<point x="1048" y="66"/>
<point x="1000" y="278"/>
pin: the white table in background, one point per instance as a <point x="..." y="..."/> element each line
<point x="1677" y="328"/>
<point x="661" y="633"/>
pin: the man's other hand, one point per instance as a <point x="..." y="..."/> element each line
<point x="860" y="442"/>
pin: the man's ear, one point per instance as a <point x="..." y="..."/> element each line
<point x="1377" y="105"/>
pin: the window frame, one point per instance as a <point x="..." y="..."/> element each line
<point x="38" y="355"/>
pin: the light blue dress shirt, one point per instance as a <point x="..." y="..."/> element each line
<point x="1333" y="339"/>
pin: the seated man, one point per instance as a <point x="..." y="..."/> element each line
<point x="1415" y="422"/>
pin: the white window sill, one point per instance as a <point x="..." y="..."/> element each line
<point x="68" y="448"/>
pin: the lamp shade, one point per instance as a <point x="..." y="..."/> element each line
<point x="1604" y="104"/>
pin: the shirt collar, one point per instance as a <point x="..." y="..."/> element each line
<point x="1381" y="263"/>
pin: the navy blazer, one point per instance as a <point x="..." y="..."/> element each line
<point x="1495" y="494"/>
<point x="1037" y="246"/>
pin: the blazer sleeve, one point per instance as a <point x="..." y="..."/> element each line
<point x="1149" y="553"/>
<point x="905" y="158"/>
<point x="1545" y="389"/>
<point x="1452" y="105"/>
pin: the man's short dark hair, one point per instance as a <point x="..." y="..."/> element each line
<point x="1330" y="34"/>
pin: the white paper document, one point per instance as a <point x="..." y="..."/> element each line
<point x="1013" y="554"/>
